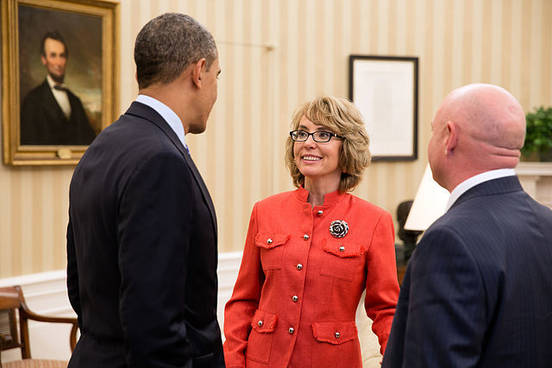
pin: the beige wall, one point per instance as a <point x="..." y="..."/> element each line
<point x="506" y="42"/>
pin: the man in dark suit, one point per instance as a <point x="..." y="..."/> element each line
<point x="142" y="233"/>
<point x="478" y="290"/>
<point x="50" y="113"/>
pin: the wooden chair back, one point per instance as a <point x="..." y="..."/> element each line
<point x="14" y="322"/>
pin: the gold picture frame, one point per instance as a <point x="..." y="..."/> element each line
<point x="33" y="130"/>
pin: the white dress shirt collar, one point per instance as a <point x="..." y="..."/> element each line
<point x="60" y="96"/>
<point x="469" y="183"/>
<point x="166" y="113"/>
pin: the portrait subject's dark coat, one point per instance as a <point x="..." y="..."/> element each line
<point x="142" y="251"/>
<point x="43" y="121"/>
<point x="478" y="291"/>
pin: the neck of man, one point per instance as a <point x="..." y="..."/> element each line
<point x="178" y="101"/>
<point x="468" y="165"/>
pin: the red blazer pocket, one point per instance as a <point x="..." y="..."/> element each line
<point x="264" y="322"/>
<point x="259" y="343"/>
<point x="334" y="333"/>
<point x="271" y="249"/>
<point x="342" y="248"/>
<point x="269" y="241"/>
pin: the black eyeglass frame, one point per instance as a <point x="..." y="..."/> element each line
<point x="332" y="135"/>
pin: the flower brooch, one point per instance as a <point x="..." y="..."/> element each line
<point x="339" y="228"/>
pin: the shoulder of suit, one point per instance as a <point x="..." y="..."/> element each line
<point x="37" y="92"/>
<point x="453" y="224"/>
<point x="129" y="132"/>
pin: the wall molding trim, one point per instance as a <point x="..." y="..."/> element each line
<point x="46" y="293"/>
<point x="526" y="168"/>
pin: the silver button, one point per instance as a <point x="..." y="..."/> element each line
<point x="269" y="241"/>
<point x="260" y="323"/>
<point x="337" y="335"/>
<point x="299" y="266"/>
<point x="342" y="248"/>
<point x="306" y="237"/>
<point x="295" y="298"/>
<point x="291" y="330"/>
<point x="320" y="212"/>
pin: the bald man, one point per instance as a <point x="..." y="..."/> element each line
<point x="478" y="288"/>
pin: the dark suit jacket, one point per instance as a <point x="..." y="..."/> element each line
<point x="43" y="121"/>
<point x="142" y="251"/>
<point x="478" y="289"/>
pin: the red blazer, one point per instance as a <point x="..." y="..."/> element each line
<point x="298" y="288"/>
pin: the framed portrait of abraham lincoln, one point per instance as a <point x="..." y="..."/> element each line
<point x="59" y="78"/>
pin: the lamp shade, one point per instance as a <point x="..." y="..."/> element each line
<point x="429" y="204"/>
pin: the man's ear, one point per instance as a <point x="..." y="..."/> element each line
<point x="451" y="139"/>
<point x="197" y="72"/>
<point x="43" y="59"/>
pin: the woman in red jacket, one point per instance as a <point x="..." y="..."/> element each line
<point x="311" y="252"/>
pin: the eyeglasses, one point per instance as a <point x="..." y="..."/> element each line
<point x="320" y="136"/>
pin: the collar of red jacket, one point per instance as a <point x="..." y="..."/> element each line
<point x="329" y="199"/>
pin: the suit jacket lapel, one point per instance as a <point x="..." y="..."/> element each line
<point x="203" y="188"/>
<point x="143" y="111"/>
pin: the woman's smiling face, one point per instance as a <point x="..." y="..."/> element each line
<point x="317" y="161"/>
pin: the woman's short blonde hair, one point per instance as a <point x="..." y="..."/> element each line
<point x="341" y="117"/>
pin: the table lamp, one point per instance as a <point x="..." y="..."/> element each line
<point x="429" y="204"/>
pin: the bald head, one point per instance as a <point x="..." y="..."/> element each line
<point x="488" y="114"/>
<point x="482" y="127"/>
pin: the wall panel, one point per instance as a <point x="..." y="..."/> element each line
<point x="275" y="54"/>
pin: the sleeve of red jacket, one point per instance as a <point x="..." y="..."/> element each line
<point x="382" y="286"/>
<point x="244" y="301"/>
